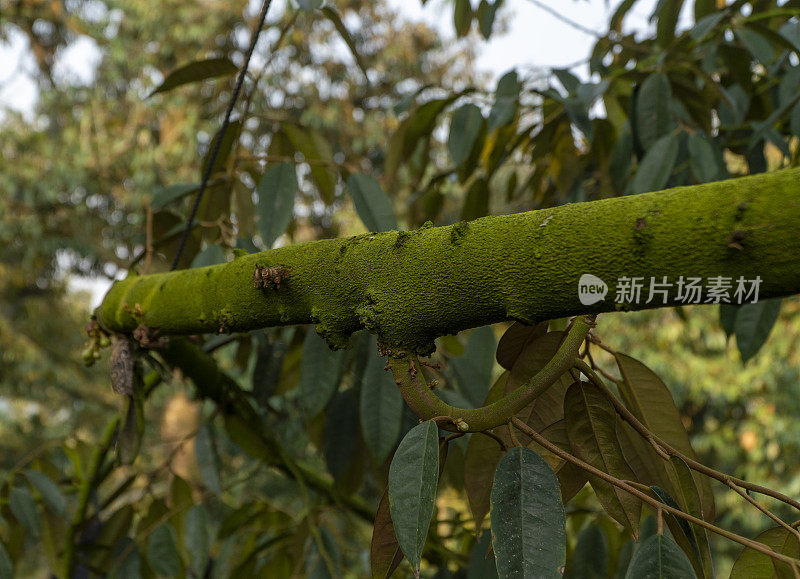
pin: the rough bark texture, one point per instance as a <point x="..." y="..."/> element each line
<point x="411" y="287"/>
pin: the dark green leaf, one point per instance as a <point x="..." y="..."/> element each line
<point x="316" y="566"/>
<point x="319" y="373"/>
<point x="753" y="324"/>
<point x="654" y="117"/>
<point x="340" y="434"/>
<point x="667" y="14"/>
<point x="755" y="43"/>
<point x="591" y="426"/>
<point x="751" y="564"/>
<point x="514" y="341"/>
<point x="276" y="191"/>
<point x="590" y="557"/>
<point x="727" y="318"/>
<point x="476" y="203"/>
<point x="413" y="476"/>
<point x="334" y="17"/>
<point x="381" y="408"/>
<point x="197" y="539"/>
<point x="505" y="100"/>
<point x="656" y="167"/>
<point x="465" y="127"/>
<point x="706" y="24"/>
<point x="205" y="450"/>
<point x="162" y="551"/>
<point x="51" y="494"/>
<point x="658" y="557"/>
<point x="229" y="139"/>
<point x="371" y="202"/>
<point x="619" y="14"/>
<point x="482" y="564"/>
<point x="195" y="72"/>
<point x="794" y="120"/>
<point x="6" y="567"/>
<point x="24" y="509"/>
<point x="486" y="15"/>
<point x="569" y="81"/>
<point x="462" y="17"/>
<point x="682" y="524"/>
<point x="704" y="160"/>
<point x="130" y="437"/>
<point x="211" y="255"/>
<point x="473" y="370"/>
<point x="625" y="555"/>
<point x="318" y="152"/>
<point x="166" y="195"/>
<point x="528" y="520"/>
<point x="131" y="566"/>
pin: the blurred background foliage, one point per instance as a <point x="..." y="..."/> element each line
<point x="384" y="122"/>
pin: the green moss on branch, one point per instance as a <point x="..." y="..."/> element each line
<point x="410" y="288"/>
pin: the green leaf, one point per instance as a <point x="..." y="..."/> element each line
<point x="751" y="564"/>
<point x="649" y="399"/>
<point x="381" y="408"/>
<point x="476" y="202"/>
<point x="625" y="555"/>
<point x="462" y="17"/>
<point x="659" y="557"/>
<point x="706" y="24"/>
<point x="130" y="437"/>
<point x="412" y="131"/>
<point x="682" y="524"/>
<point x="667" y="13"/>
<point x="309" y="5"/>
<point x="276" y="191"/>
<point x="528" y="520"/>
<point x="229" y="139"/>
<point x="473" y="370"/>
<point x="162" y="551"/>
<point x="23" y="507"/>
<point x="505" y="100"/>
<point x="727" y="318"/>
<point x="340" y="434"/>
<point x="656" y="167"/>
<point x="591" y="426"/>
<point x="6" y="567"/>
<point x="316" y="567"/>
<point x="756" y="44"/>
<point x="619" y="15"/>
<point x="590" y="557"/>
<point x="465" y="128"/>
<point x="318" y="152"/>
<point x="385" y="554"/>
<point x="252" y="441"/>
<point x="413" y="476"/>
<point x="131" y="566"/>
<point x="319" y="373"/>
<point x="371" y="202"/>
<point x="754" y="322"/>
<point x="332" y="15"/>
<point x="211" y="255"/>
<point x="704" y="159"/>
<point x="482" y="564"/>
<point x="195" y="72"/>
<point x="165" y="195"/>
<point x="794" y="120"/>
<point x="515" y="339"/>
<point x="197" y="539"/>
<point x="51" y="494"/>
<point x="205" y="451"/>
<point x="688" y="495"/>
<point x="486" y="16"/>
<point x="653" y="115"/>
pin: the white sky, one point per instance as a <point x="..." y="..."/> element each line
<point x="535" y="38"/>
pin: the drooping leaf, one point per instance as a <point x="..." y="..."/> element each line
<point x="754" y="322"/>
<point x="649" y="399"/>
<point x="205" y="450"/>
<point x="515" y="340"/>
<point x="624" y="557"/>
<point x="681" y="524"/>
<point x="465" y="127"/>
<point x="197" y="539"/>
<point x="195" y="72"/>
<point x="462" y="17"/>
<point x="486" y="15"/>
<point x="51" y="494"/>
<point x="371" y="202"/>
<point x="482" y="564"/>
<point x="165" y="195"/>
<point x="473" y="370"/>
<point x="319" y="373"/>
<point x="658" y="557"/>
<point x="229" y="138"/>
<point x="591" y="426"/>
<point x="413" y="476"/>
<point x="656" y="166"/>
<point x="385" y="554"/>
<point x="751" y="564"/>
<point x="590" y="557"/>
<point x="340" y="434"/>
<point x="318" y="152"/>
<point x="336" y="19"/>
<point x="381" y="408"/>
<point x="24" y="509"/>
<point x="162" y="551"/>
<point x="705" y="24"/>
<point x="276" y="191"/>
<point x="476" y="202"/>
<point x="653" y="116"/>
<point x="505" y="100"/>
<point x="528" y="520"/>
<point x="704" y="160"/>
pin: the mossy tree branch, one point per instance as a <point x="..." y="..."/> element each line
<point x="411" y="287"/>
